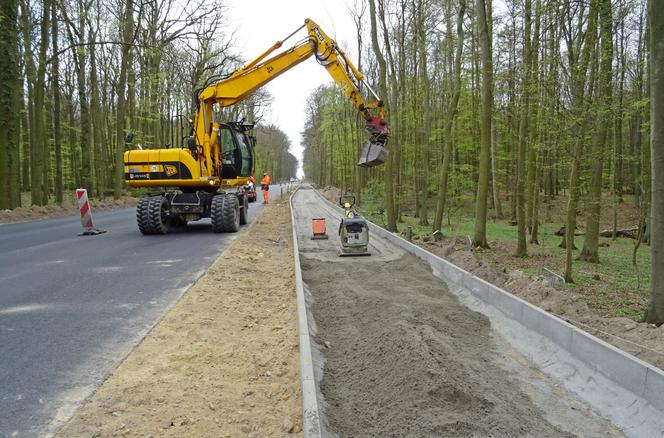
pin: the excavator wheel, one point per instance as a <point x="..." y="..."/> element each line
<point x="244" y="211"/>
<point x="231" y="213"/>
<point x="216" y="213"/>
<point x="152" y="215"/>
<point x="225" y="213"/>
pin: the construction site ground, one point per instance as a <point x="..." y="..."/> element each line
<point x="524" y="278"/>
<point x="223" y="362"/>
<point x="401" y="356"/>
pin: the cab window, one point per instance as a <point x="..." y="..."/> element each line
<point x="226" y="147"/>
<point x="245" y="154"/>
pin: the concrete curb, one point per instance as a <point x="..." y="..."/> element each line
<point x="311" y="420"/>
<point x="621" y="387"/>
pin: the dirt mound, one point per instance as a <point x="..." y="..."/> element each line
<point x="330" y="193"/>
<point x="21" y="214"/>
<point x="642" y="340"/>
<point x="223" y="362"/>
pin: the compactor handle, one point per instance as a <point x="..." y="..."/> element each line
<point x="347" y="199"/>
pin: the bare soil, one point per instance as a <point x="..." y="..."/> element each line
<point x="21" y="214"/>
<point x="223" y="362"/>
<point x="403" y="357"/>
<point x="645" y="341"/>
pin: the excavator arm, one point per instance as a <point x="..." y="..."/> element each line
<point x="247" y="79"/>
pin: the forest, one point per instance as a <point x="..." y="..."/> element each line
<point x="522" y="118"/>
<point x="531" y="126"/>
<point x="78" y="76"/>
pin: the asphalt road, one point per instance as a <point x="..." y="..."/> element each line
<point x="71" y="308"/>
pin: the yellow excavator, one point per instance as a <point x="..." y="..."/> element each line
<point x="207" y="176"/>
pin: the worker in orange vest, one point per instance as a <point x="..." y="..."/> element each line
<point x="265" y="186"/>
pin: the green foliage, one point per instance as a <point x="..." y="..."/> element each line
<point x="373" y="197"/>
<point x="461" y="189"/>
<point x="629" y="312"/>
<point x="138" y="192"/>
<point x="272" y="155"/>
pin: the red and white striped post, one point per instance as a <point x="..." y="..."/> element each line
<point x="86" y="214"/>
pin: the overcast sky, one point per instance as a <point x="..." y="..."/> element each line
<point x="260" y="23"/>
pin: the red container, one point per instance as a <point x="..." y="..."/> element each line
<point x="318" y="228"/>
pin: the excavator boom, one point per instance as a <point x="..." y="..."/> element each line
<point x="247" y="79"/>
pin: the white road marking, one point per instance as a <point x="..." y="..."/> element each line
<point x="129" y="306"/>
<point x="53" y="262"/>
<point x="158" y="262"/>
<point x="105" y="269"/>
<point x="24" y="309"/>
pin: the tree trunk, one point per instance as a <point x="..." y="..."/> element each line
<point x="40" y="147"/>
<point x="25" y="138"/>
<point x="84" y="138"/>
<point x="533" y="152"/>
<point x="382" y="88"/>
<point x="35" y="108"/>
<point x="10" y="86"/>
<point x="494" y="176"/>
<point x="96" y="119"/>
<point x="521" y="248"/>
<point x="449" y="121"/>
<point x="57" y="129"/>
<point x="581" y="107"/>
<point x="127" y="32"/>
<point x="590" y="251"/>
<point x="425" y="125"/>
<point x="483" y="18"/>
<point x="655" y="312"/>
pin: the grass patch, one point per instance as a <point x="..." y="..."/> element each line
<point x="613" y="287"/>
<point x="635" y="314"/>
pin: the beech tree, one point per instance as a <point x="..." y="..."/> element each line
<point x="598" y="146"/>
<point x="383" y="90"/>
<point x="483" y="18"/>
<point x="10" y="96"/>
<point x="655" y="312"/>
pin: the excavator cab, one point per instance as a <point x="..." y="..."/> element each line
<point x="235" y="150"/>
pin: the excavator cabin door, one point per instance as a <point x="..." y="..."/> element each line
<point x="235" y="152"/>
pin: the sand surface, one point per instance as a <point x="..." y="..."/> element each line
<point x="223" y="362"/>
<point x="402" y="356"/>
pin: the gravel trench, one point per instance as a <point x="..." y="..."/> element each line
<point x="402" y="356"/>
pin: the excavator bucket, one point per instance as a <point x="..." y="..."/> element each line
<point x="373" y="154"/>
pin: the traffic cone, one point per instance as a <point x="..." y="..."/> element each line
<point x="86" y="214"/>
